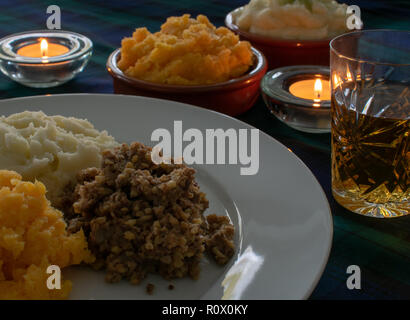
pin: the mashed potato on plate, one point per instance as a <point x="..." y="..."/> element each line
<point x="51" y="149"/>
<point x="33" y="236"/>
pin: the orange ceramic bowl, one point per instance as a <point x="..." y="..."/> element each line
<point x="231" y="97"/>
<point x="280" y="53"/>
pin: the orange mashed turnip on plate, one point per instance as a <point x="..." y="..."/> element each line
<point x="186" y="51"/>
<point x="33" y="236"/>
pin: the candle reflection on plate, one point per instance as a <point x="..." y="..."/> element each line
<point x="241" y="274"/>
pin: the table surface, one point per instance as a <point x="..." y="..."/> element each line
<point x="380" y="247"/>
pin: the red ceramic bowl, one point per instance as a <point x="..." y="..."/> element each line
<point x="280" y="53"/>
<point x="232" y="97"/>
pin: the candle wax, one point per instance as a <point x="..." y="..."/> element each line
<point x="305" y="89"/>
<point x="34" y="50"/>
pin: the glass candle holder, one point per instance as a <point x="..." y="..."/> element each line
<point x="299" y="96"/>
<point x="44" y="58"/>
<point x="370" y="77"/>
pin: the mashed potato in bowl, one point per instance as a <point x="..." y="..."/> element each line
<point x="292" y="19"/>
<point x="51" y="149"/>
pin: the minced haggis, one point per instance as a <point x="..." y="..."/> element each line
<point x="140" y="217"/>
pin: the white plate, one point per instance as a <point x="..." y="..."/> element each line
<point x="281" y="214"/>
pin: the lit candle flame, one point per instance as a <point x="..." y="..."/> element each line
<point x="44" y="48"/>
<point x="349" y="75"/>
<point x="318" y="89"/>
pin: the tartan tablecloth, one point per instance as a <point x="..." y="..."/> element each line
<point x="381" y="248"/>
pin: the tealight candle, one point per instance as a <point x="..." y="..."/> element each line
<point x="299" y="96"/>
<point x="312" y="89"/>
<point x="43" y="59"/>
<point x="42" y="49"/>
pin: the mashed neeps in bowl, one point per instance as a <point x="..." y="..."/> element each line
<point x="186" y="51"/>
